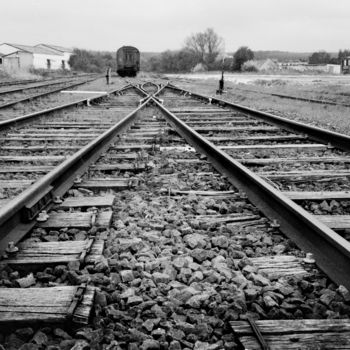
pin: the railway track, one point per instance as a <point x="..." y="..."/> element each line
<point x="325" y="101"/>
<point x="9" y="99"/>
<point x="21" y="86"/>
<point x="17" y="82"/>
<point x="180" y="245"/>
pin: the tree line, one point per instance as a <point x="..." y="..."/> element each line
<point x="323" y="57"/>
<point x="92" y="61"/>
<point x="201" y="51"/>
<point x="204" y="49"/>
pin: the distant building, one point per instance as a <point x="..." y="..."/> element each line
<point x="15" y="57"/>
<point x="63" y="50"/>
<point x="15" y="61"/>
<point x="306" y="67"/>
<point x="334" y="68"/>
<point x="345" y="65"/>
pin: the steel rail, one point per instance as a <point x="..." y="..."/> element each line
<point x="331" y="251"/>
<point x="24" y="118"/>
<point x="43" y="94"/>
<point x="315" y="133"/>
<point x="19" y="82"/>
<point x="147" y="94"/>
<point x="296" y="98"/>
<point x="13" y="224"/>
<point x="30" y="81"/>
<point x="38" y="86"/>
<point x="142" y="87"/>
<point x="10" y="91"/>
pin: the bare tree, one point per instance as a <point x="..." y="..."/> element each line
<point x="206" y="46"/>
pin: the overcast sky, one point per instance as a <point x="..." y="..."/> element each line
<point x="158" y="25"/>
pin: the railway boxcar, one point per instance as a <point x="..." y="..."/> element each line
<point x="128" y="61"/>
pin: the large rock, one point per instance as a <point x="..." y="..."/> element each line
<point x="218" y="261"/>
<point x="327" y="297"/>
<point x="101" y="264"/>
<point x="134" y="300"/>
<point x="127" y="293"/>
<point x="200" y="254"/>
<point x="175" y="345"/>
<point x="130" y="243"/>
<point x="183" y="295"/>
<point x="220" y="241"/>
<point x="269" y="301"/>
<point x="251" y="294"/>
<point x="185" y="229"/>
<point x="150" y="344"/>
<point x="344" y="293"/>
<point x="40" y="338"/>
<point x="197" y="276"/>
<point x="195" y="240"/>
<point x="180" y="262"/>
<point x="260" y="280"/>
<point x="149" y="324"/>
<point x="185" y="327"/>
<point x="159" y="277"/>
<point x="239" y="279"/>
<point x="81" y="345"/>
<point x="58" y="332"/>
<point x="27" y="281"/>
<point x="206" y="346"/>
<point x="219" y="264"/>
<point x="24" y="333"/>
<point x="152" y="236"/>
<point x="126" y="275"/>
<point x="196" y="301"/>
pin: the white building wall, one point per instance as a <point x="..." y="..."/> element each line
<point x="25" y="60"/>
<point x="67" y="57"/>
<point x="334" y="68"/>
<point x="66" y="54"/>
<point x="40" y="61"/>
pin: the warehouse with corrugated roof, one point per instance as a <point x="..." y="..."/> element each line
<point x="15" y="57"/>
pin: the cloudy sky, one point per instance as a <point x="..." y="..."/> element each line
<point x="157" y="25"/>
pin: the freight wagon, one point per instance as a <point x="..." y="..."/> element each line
<point x="128" y="61"/>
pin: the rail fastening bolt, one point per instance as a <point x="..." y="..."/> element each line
<point x="11" y="248"/>
<point x="309" y="259"/>
<point x="57" y="200"/>
<point x="274" y="224"/>
<point x="78" y="180"/>
<point x="43" y="216"/>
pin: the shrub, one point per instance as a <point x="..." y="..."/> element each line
<point x="249" y="67"/>
<point x="242" y="55"/>
<point x="92" y="61"/>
